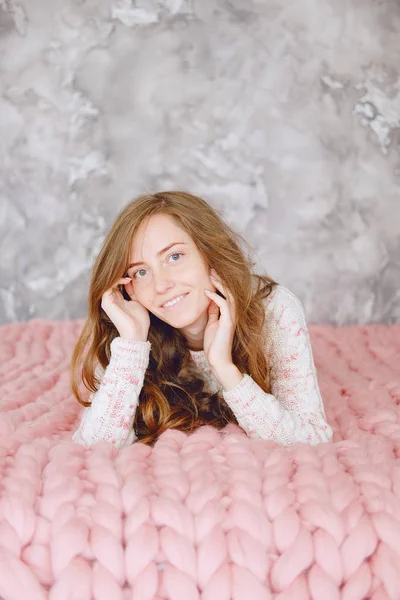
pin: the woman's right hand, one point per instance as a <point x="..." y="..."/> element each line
<point x="131" y="318"/>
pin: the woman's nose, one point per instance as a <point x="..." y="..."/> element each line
<point x="163" y="284"/>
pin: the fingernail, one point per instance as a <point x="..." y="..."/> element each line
<point x="209" y="291"/>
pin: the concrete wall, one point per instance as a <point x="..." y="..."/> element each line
<point x="284" y="114"/>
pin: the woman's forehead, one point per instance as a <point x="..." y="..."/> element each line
<point x="154" y="235"/>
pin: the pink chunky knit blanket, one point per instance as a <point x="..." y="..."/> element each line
<point x="211" y="516"/>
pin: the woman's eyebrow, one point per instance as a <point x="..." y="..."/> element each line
<point x="159" y="253"/>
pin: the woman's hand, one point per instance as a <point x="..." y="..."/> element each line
<point x="220" y="328"/>
<point x="131" y="318"/>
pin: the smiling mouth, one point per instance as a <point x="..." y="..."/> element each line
<point x="175" y="302"/>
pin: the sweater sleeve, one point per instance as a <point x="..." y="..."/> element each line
<point x="113" y="407"/>
<point x="294" y="410"/>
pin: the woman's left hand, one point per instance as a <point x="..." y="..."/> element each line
<point x="221" y="325"/>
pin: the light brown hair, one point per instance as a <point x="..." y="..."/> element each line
<point x="173" y="394"/>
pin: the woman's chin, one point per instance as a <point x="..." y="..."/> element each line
<point x="182" y="317"/>
<point x="180" y="320"/>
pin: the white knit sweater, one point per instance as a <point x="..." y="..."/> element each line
<point x="293" y="412"/>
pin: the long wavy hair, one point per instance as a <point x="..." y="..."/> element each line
<point x="173" y="395"/>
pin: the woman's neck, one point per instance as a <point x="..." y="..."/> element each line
<point x="194" y="333"/>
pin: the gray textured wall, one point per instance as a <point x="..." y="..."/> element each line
<point x="283" y="114"/>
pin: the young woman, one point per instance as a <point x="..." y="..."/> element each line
<point x="180" y="333"/>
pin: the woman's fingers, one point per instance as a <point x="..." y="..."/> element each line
<point x="220" y="287"/>
<point x="129" y="289"/>
<point x="213" y="313"/>
<point x="122" y="281"/>
<point x="216" y="281"/>
<point x="117" y="287"/>
<point x="213" y="308"/>
<point x="221" y="303"/>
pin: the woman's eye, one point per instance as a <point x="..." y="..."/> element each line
<point x="175" y="254"/>
<point x="141" y="270"/>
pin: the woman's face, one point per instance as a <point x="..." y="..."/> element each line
<point x="162" y="275"/>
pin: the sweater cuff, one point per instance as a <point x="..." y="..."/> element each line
<point x="243" y="397"/>
<point x="130" y="353"/>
